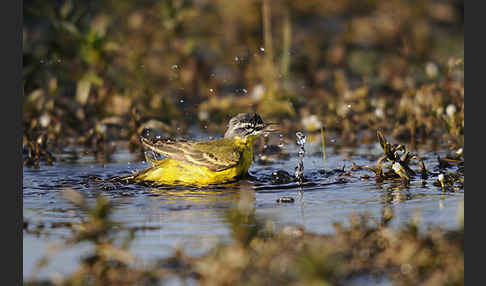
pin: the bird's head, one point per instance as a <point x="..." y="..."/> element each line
<point x="247" y="125"/>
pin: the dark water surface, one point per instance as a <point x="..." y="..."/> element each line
<point x="194" y="218"/>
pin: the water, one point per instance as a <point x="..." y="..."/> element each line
<point x="194" y="218"/>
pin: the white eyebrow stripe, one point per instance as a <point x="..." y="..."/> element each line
<point x="243" y="124"/>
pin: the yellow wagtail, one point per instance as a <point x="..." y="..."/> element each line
<point x="209" y="162"/>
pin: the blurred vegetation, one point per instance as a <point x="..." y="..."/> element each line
<point x="262" y="254"/>
<point x="98" y="72"/>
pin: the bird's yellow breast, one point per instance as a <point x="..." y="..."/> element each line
<point x="171" y="172"/>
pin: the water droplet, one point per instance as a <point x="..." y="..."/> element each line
<point x="146" y="132"/>
<point x="299" y="170"/>
<point x="301" y="138"/>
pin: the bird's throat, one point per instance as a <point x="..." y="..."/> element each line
<point x="246" y="142"/>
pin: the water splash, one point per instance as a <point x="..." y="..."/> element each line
<point x="150" y="156"/>
<point x="147" y="133"/>
<point x="299" y="170"/>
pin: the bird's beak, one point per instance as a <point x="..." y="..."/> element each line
<point x="268" y="128"/>
<point x="264" y="129"/>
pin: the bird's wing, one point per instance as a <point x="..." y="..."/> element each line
<point x="217" y="155"/>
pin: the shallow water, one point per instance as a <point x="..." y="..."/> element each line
<point x="194" y="218"/>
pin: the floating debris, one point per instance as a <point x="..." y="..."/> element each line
<point x="399" y="170"/>
<point x="285" y="200"/>
<point x="440" y="178"/>
<point x="450" y="181"/>
<point x="397" y="159"/>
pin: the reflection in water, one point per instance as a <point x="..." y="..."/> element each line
<point x="396" y="193"/>
<point x="198" y="217"/>
<point x="245" y="198"/>
<point x="193" y="195"/>
<point x="302" y="214"/>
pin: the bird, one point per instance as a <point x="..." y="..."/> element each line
<point x="204" y="163"/>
